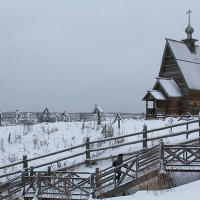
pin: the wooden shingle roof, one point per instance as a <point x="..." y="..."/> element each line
<point x="188" y="62"/>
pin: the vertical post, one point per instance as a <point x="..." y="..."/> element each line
<point x="137" y="165"/>
<point x="49" y="173"/>
<point x="38" y="183"/>
<point x="162" y="173"/>
<point x="97" y="178"/>
<point x="87" y="145"/>
<point x="23" y="182"/>
<point x="119" y="123"/>
<point x="155" y="107"/>
<point x="92" y="181"/>
<point x="162" y="149"/>
<point x="25" y="164"/>
<point x="92" y="184"/>
<point x="146" y="109"/>
<point x="144" y="136"/>
<point x="99" y="118"/>
<point x="187" y="130"/>
<point x="31" y="174"/>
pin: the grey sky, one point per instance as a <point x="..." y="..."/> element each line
<point x="70" y="55"/>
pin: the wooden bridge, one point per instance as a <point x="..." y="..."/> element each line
<point x="138" y="168"/>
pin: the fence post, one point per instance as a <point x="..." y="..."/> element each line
<point x="87" y="145"/>
<point x="31" y="173"/>
<point x="38" y="183"/>
<point x="49" y="173"/>
<point x="162" y="172"/>
<point x="187" y="127"/>
<point x="97" y="178"/>
<point x="25" y="164"/>
<point x="92" y="184"/>
<point x="144" y="136"/>
<point x="99" y="118"/>
<point x="162" y="150"/>
<point x="23" y="182"/>
<point x="137" y="165"/>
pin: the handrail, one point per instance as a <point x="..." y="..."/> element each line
<point x="147" y="131"/>
<point x="148" y="139"/>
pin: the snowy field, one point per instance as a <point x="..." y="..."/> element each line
<point x="35" y="140"/>
<point x="40" y="139"/>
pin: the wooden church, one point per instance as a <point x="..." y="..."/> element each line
<point x="177" y="87"/>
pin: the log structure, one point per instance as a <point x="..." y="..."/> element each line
<point x="177" y="88"/>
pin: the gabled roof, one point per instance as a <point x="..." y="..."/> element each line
<point x="189" y="63"/>
<point x="155" y="94"/>
<point x="169" y="86"/>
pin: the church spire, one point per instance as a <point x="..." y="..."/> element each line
<point x="189" y="30"/>
<point x="189" y="41"/>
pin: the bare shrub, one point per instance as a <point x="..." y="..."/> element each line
<point x="27" y="129"/>
<point x="18" y="139"/>
<point x="107" y="131"/>
<point x="12" y="157"/>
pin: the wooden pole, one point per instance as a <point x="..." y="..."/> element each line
<point x="98" y="118"/>
<point x="49" y="173"/>
<point x="87" y="145"/>
<point x="187" y="127"/>
<point x="38" y="183"/>
<point x="146" y="110"/>
<point x="23" y="182"/>
<point x="97" y="179"/>
<point x="137" y="165"/>
<point x="119" y="123"/>
<point x="25" y="164"/>
<point x="144" y="136"/>
<point x="31" y="173"/>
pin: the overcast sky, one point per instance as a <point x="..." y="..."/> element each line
<point x="70" y="54"/>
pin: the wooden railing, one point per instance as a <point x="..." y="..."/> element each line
<point x="136" y="169"/>
<point x="133" y="168"/>
<point x="182" y="158"/>
<point x="89" y="146"/>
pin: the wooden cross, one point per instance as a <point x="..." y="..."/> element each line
<point x="189" y="13"/>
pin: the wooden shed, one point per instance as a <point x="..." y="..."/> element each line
<point x="177" y="88"/>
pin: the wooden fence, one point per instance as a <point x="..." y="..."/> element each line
<point x="12" y="118"/>
<point x="135" y="170"/>
<point x="88" y="147"/>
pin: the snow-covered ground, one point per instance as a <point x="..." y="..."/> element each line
<point x="184" y="192"/>
<point x="39" y="139"/>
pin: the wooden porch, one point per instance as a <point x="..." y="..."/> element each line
<point x="158" y="107"/>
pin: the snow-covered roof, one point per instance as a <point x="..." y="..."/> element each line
<point x="189" y="63"/>
<point x="169" y="86"/>
<point x="156" y="94"/>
